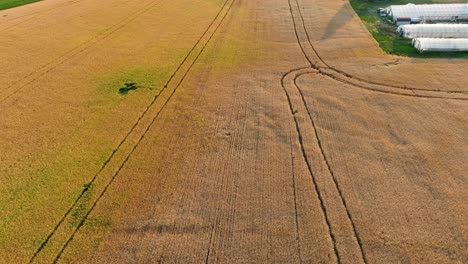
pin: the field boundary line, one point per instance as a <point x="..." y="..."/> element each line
<point x="71" y="53"/>
<point x="129" y="133"/>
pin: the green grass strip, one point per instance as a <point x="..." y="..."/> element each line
<point x="6" y="4"/>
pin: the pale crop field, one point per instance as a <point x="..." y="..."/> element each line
<point x="225" y="131"/>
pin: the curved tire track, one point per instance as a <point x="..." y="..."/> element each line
<point x="342" y="229"/>
<point x="316" y="65"/>
<point x="327" y="162"/>
<point x="300" y="135"/>
<point x="324" y="68"/>
<point x="319" y="66"/>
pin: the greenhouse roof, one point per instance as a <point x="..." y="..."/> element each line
<point x="429" y="10"/>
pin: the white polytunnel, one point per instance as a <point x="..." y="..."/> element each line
<point x="440" y="45"/>
<point x="429" y="12"/>
<point x="433" y="31"/>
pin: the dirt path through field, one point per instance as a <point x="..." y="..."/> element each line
<point x="274" y="131"/>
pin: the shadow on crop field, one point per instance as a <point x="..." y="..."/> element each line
<point x="341" y="18"/>
<point x="128" y="87"/>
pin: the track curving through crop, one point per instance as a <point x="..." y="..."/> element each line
<point x="327" y="162"/>
<point x="324" y="68"/>
<point x="316" y="63"/>
<point x="318" y="66"/>
<point x="306" y="159"/>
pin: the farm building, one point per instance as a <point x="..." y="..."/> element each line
<point x="433" y="31"/>
<point x="428" y="12"/>
<point x="440" y="45"/>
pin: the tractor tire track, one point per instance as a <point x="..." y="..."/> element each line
<point x="319" y="66"/>
<point x="16" y="24"/>
<point x="345" y="74"/>
<point x="201" y="43"/>
<point x="318" y="63"/>
<point x="300" y="135"/>
<point x="296" y="210"/>
<point x="347" y="242"/>
<point x="327" y="162"/>
<point x="72" y="53"/>
<point x="315" y="67"/>
<point x="224" y="215"/>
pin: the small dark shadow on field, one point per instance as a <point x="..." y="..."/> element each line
<point x="128" y="87"/>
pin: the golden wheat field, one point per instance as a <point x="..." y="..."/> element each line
<point x="225" y="131"/>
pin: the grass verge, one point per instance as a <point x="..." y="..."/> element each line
<point x="6" y="4"/>
<point x="385" y="33"/>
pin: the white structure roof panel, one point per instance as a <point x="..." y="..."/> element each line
<point x="440" y="45"/>
<point x="428" y="10"/>
<point x="434" y="31"/>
